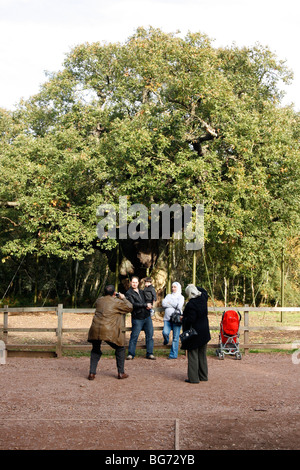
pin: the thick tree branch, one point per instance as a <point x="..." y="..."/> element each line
<point x="9" y="204"/>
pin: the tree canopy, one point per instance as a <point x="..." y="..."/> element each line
<point x="159" y="119"/>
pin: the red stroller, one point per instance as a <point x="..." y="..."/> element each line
<point x="229" y="335"/>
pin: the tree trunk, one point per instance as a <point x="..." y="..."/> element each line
<point x="252" y="289"/>
<point x="244" y="289"/>
<point x="225" y="291"/>
<point x="74" y="296"/>
<point x="86" y="277"/>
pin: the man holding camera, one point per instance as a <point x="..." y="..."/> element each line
<point x="107" y="326"/>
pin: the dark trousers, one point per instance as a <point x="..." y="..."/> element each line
<point x="96" y="354"/>
<point x="197" y="364"/>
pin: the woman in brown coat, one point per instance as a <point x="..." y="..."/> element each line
<point x="107" y="326"/>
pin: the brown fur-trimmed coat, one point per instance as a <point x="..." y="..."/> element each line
<point x="107" y="321"/>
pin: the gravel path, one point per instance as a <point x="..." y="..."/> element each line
<point x="48" y="403"/>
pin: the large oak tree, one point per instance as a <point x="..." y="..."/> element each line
<point x="159" y="119"/>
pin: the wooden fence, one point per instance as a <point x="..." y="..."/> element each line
<point x="59" y="347"/>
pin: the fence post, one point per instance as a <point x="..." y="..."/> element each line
<point x="59" y="330"/>
<point x="5" y="324"/>
<point x="246" y="330"/>
<point x="176" y="434"/>
<point x="3" y="353"/>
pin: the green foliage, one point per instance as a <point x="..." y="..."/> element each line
<point x="160" y="119"/>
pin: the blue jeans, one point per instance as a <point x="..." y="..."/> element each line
<point x="137" y="326"/>
<point x="168" y="327"/>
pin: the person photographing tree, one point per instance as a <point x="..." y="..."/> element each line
<point x="107" y="326"/>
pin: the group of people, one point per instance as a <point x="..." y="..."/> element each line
<point x="107" y="325"/>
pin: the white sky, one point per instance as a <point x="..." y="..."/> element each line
<point x="35" y="35"/>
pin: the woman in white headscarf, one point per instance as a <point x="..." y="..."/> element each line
<point x="173" y="303"/>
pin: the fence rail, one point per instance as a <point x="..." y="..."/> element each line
<point x="58" y="348"/>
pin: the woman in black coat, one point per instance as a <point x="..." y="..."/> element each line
<point x="195" y="315"/>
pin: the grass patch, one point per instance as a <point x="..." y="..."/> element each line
<point x="71" y="353"/>
<point x="272" y="351"/>
<point x="211" y="352"/>
<point x="111" y="353"/>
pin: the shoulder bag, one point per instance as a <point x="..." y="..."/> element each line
<point x="187" y="334"/>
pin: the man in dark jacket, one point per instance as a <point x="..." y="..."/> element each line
<point x="195" y="316"/>
<point x="140" y="319"/>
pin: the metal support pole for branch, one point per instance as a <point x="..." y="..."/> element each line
<point x="170" y="255"/>
<point x="117" y="269"/>
<point x="194" y="267"/>
<point x="59" y="330"/>
<point x="282" y="283"/>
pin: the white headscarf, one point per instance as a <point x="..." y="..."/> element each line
<point x="178" y="292"/>
<point x="192" y="291"/>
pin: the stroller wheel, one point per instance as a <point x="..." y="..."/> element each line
<point x="238" y="356"/>
<point x="221" y="356"/>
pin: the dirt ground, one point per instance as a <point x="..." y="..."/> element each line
<point x="48" y="403"/>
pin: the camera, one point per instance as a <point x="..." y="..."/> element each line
<point x="117" y="294"/>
